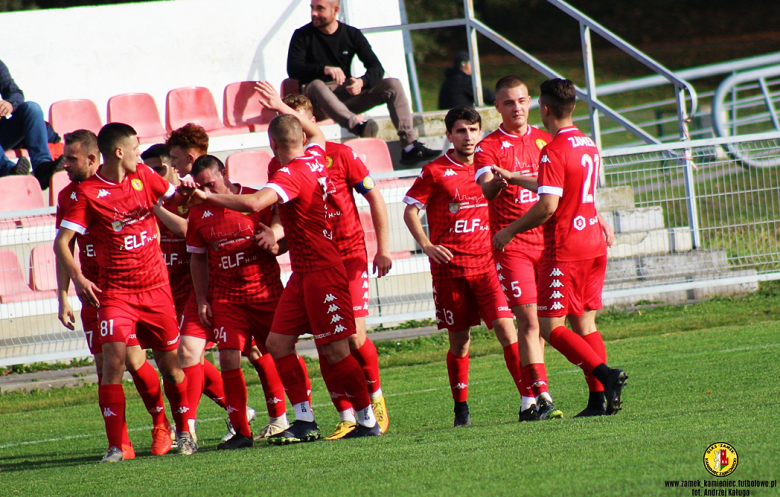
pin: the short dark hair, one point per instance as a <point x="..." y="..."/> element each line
<point x="111" y="134"/>
<point x="285" y="130"/>
<point x="510" y="81"/>
<point x="462" y="113"/>
<point x="158" y="150"/>
<point x="559" y="96"/>
<point x="85" y="137"/>
<point x="206" y="162"/>
<point x="189" y="136"/>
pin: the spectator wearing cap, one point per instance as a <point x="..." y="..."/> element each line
<point x="457" y="89"/>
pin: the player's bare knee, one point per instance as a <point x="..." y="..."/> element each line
<point x="229" y="359"/>
<point x="279" y="345"/>
<point x="459" y="342"/>
<point x="356" y="341"/>
<point x="168" y="364"/>
<point x="505" y="331"/>
<point x="98" y="362"/>
<point x="335" y="351"/>
<point x="136" y="357"/>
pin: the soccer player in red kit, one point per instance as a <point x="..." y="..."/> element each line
<point x="347" y="173"/>
<point x="465" y="283"/>
<point x="115" y="207"/>
<point x="316" y="298"/>
<point x="81" y="161"/>
<point x="515" y="147"/>
<point x="245" y="287"/>
<point x="571" y="275"/>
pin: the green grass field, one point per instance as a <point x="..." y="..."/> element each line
<point x="699" y="374"/>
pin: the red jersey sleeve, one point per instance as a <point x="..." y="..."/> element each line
<point x="284" y="184"/>
<point x="551" y="173"/>
<point x="484" y="159"/>
<point x="159" y="187"/>
<point x="421" y="190"/>
<point x="195" y="242"/>
<point x="75" y="215"/>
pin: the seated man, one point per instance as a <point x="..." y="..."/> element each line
<point x="23" y="121"/>
<point x="320" y="58"/>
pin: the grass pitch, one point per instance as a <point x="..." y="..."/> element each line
<point x="689" y="387"/>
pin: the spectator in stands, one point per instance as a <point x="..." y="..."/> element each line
<point x="23" y="121"/>
<point x="320" y="58"/>
<point x="457" y="89"/>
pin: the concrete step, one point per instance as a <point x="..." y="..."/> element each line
<point x="660" y="267"/>
<point x="636" y="219"/>
<point x="615" y="198"/>
<point x="658" y="241"/>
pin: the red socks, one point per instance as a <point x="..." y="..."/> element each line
<point x="235" y="392"/>
<point x="294" y="378"/>
<point x="575" y="349"/>
<point x="148" y="385"/>
<point x="194" y="376"/>
<point x="458" y="370"/>
<point x="306" y="374"/>
<point x="596" y="342"/>
<point x="272" y="385"/>
<point x="180" y="408"/>
<point x="332" y="383"/>
<point x="352" y="379"/>
<point x="112" y="405"/>
<point x="512" y="359"/>
<point x="212" y="384"/>
<point x="538" y="375"/>
<point x="369" y="361"/>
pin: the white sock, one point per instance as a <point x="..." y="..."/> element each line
<point x="348" y="415"/>
<point x="527" y="402"/>
<point x="192" y="424"/>
<point x="303" y="411"/>
<point x="366" y="417"/>
<point x="544" y="395"/>
<point x="376" y="395"/>
<point x="409" y="147"/>
<point x="280" y="421"/>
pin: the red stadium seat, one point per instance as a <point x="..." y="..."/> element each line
<point x="20" y="193"/>
<point x="13" y="287"/>
<point x="374" y="154"/>
<point x="371" y="241"/>
<point x="139" y="111"/>
<point x="248" y="168"/>
<point x="69" y="115"/>
<point x="43" y="269"/>
<point x="242" y="107"/>
<point x="58" y="181"/>
<point x="290" y="87"/>
<point x="196" y="105"/>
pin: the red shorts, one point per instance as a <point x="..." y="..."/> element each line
<point x="460" y="302"/>
<point x="357" y="274"/>
<point x="180" y="303"/>
<point x="150" y="313"/>
<point x="89" y="321"/>
<point x="189" y="322"/>
<point x="236" y="325"/>
<point x="517" y="275"/>
<point x="571" y="287"/>
<point x="317" y="302"/>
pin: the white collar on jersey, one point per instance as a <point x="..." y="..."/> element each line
<point x="527" y="131"/>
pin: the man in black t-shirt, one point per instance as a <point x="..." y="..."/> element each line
<point x="320" y="58"/>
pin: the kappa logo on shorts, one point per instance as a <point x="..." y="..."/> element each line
<point x="556" y="272"/>
<point x="556" y="284"/>
<point x="556" y="306"/>
<point x="339" y="328"/>
<point x="499" y="267"/>
<point x="107" y="412"/>
<point x="500" y="277"/>
<point x="103" y="193"/>
<point x="365" y="284"/>
<point x="556" y="295"/>
<point x="364" y="275"/>
<point x="365" y="295"/>
<point x="332" y="308"/>
<point x="329" y="298"/>
<point x="461" y="386"/>
<point x="365" y="306"/>
<point x="503" y="287"/>
<point x="336" y="318"/>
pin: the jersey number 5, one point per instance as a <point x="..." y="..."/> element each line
<point x="589" y="185"/>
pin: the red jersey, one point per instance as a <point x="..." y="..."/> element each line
<point x="87" y="256"/>
<point x="239" y="271"/>
<point x="515" y="154"/>
<point x="570" y="170"/>
<point x="301" y="186"/>
<point x="345" y="170"/>
<point x="120" y="219"/>
<point x="177" y="259"/>
<point x="457" y="216"/>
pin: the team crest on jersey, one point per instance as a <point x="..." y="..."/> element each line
<point x="540" y="143"/>
<point x="117" y="226"/>
<point x="368" y="183"/>
<point x="454" y="207"/>
<point x="183" y="210"/>
<point x="137" y="184"/>
<point x="328" y="161"/>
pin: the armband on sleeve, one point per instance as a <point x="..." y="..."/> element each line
<point x="365" y="186"/>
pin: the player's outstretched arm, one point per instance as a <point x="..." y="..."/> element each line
<point x="537" y="215"/>
<point x="173" y="222"/>
<point x="270" y="99"/>
<point x="491" y="184"/>
<point x="527" y="182"/>
<point x="437" y="253"/>
<point x="65" y="311"/>
<point x="199" y="268"/>
<point x="248" y="202"/>
<point x="382" y="261"/>
<point x="85" y="289"/>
